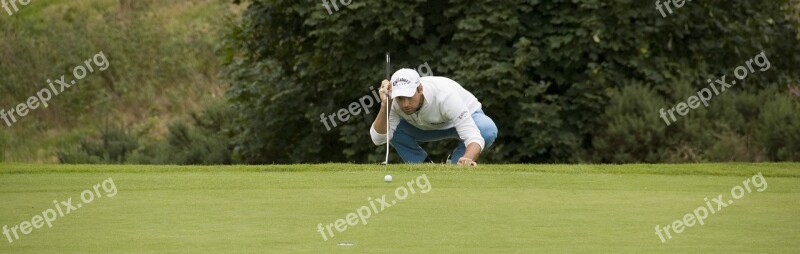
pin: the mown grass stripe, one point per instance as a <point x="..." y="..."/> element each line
<point x="711" y="169"/>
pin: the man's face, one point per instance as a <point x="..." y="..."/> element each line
<point x="409" y="105"/>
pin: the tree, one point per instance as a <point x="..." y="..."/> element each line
<point x="544" y="70"/>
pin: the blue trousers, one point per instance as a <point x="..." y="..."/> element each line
<point x="406" y="136"/>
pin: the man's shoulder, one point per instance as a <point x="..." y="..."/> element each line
<point x="440" y="85"/>
<point x="447" y="93"/>
<point x="437" y="79"/>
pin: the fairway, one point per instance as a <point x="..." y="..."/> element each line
<point x="488" y="209"/>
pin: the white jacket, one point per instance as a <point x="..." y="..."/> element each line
<point x="446" y="105"/>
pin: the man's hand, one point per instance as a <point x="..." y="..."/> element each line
<point x="380" y="123"/>
<point x="386" y="90"/>
<point x="470" y="155"/>
<point x="466" y="162"/>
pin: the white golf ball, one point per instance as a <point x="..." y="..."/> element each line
<point x="388" y="178"/>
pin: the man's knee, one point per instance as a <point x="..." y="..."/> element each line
<point x="488" y="131"/>
<point x="401" y="139"/>
<point x="489" y="135"/>
<point x="400" y="136"/>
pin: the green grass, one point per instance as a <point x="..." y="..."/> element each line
<point x="493" y="208"/>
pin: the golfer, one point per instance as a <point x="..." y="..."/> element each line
<point x="429" y="109"/>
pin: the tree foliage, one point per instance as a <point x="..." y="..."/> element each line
<point x="565" y="81"/>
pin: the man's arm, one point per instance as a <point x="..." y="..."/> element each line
<point x="380" y="121"/>
<point x="473" y="150"/>
<point x="379" y="129"/>
<point x="457" y="111"/>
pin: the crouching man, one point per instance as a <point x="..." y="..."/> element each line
<point x="430" y="109"/>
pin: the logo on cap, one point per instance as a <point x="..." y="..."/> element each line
<point x="400" y="82"/>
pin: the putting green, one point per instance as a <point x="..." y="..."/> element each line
<point x="492" y="208"/>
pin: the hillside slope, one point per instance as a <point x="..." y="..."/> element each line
<point x="161" y="65"/>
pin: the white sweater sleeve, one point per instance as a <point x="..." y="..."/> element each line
<point x="380" y="139"/>
<point x="455" y="110"/>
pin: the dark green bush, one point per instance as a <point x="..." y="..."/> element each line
<point x="112" y="145"/>
<point x="739" y="125"/>
<point x="205" y="142"/>
<point x="778" y="128"/>
<point x="544" y="70"/>
<point x="632" y="132"/>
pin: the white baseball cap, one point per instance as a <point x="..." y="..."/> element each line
<point x="404" y="83"/>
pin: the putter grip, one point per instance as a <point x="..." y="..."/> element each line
<point x="388" y="67"/>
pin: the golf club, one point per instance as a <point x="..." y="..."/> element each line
<point x="388" y="77"/>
